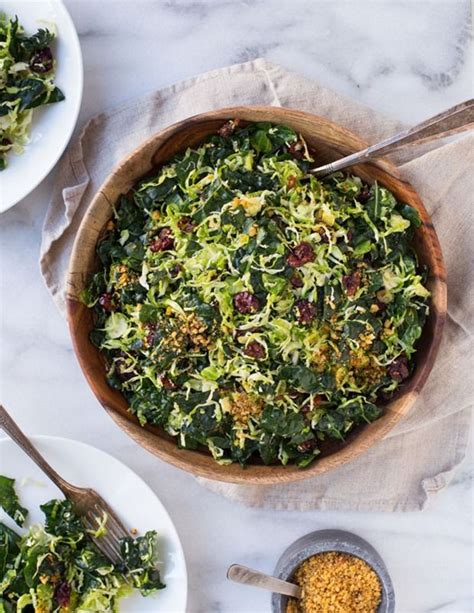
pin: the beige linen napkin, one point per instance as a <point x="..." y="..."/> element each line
<point x="419" y="456"/>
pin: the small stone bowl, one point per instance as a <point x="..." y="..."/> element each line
<point x="332" y="540"/>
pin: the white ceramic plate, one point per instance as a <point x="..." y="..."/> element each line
<point x="133" y="500"/>
<point x="53" y="124"/>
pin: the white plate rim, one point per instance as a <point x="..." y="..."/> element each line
<point x="74" y="40"/>
<point x="5" y="441"/>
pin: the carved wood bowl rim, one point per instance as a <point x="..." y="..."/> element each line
<point x="333" y="141"/>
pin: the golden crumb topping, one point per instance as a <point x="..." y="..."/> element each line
<point x="335" y="582"/>
<point x="242" y="406"/>
<point x="191" y="328"/>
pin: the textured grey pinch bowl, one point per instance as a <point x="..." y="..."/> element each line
<point x="332" y="540"/>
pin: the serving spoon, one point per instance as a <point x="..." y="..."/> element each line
<point x="456" y="119"/>
<point x="248" y="576"/>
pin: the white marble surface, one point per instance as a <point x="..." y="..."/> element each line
<point x="409" y="59"/>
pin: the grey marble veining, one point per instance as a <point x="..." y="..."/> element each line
<point x="409" y="59"/>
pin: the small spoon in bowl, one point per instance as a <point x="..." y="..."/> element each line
<point x="247" y="576"/>
<point x="456" y="119"/>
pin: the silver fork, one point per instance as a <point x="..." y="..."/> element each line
<point x="87" y="503"/>
<point x="456" y="119"/>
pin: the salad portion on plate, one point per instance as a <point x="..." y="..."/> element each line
<point x="48" y="563"/>
<point x="41" y="79"/>
<point x="27" y="70"/>
<point x="55" y="567"/>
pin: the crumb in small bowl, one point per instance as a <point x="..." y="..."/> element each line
<point x="338" y="583"/>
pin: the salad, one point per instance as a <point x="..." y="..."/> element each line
<point x="27" y="70"/>
<point x="246" y="307"/>
<point x="56" y="568"/>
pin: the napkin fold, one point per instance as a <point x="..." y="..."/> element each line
<point x="419" y="456"/>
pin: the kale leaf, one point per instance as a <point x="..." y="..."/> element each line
<point x="9" y="501"/>
<point x="140" y="559"/>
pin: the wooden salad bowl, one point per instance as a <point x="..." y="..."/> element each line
<point x="331" y="141"/>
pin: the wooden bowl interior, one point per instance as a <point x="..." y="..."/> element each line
<point x="330" y="141"/>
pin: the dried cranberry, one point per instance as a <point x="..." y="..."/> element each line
<point x="364" y="194"/>
<point x="165" y="234"/>
<point x="106" y="302"/>
<point x="255" y="350"/>
<point x="63" y="594"/>
<point x="306" y="311"/>
<point x="291" y="182"/>
<point x="300" y="255"/>
<point x="167" y="383"/>
<point x="351" y="282"/>
<point x="164" y="242"/>
<point x="246" y="302"/>
<point x="296" y="150"/>
<point x="350" y="236"/>
<point x="5" y="142"/>
<point x="228" y="128"/>
<point x="42" y="61"/>
<point x="307" y="446"/>
<point x="398" y="369"/>
<point x="296" y="280"/>
<point x="150" y="337"/>
<point x="186" y="224"/>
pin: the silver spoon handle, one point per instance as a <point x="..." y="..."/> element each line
<point x="11" y="428"/>
<point x="456" y="119"/>
<point x="247" y="576"/>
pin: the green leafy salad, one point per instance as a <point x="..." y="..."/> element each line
<point x="245" y="306"/>
<point x="26" y="82"/>
<point x="56" y="568"/>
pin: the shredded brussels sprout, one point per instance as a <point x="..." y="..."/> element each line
<point x="245" y="306"/>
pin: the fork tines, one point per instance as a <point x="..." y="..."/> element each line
<point x="109" y="542"/>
